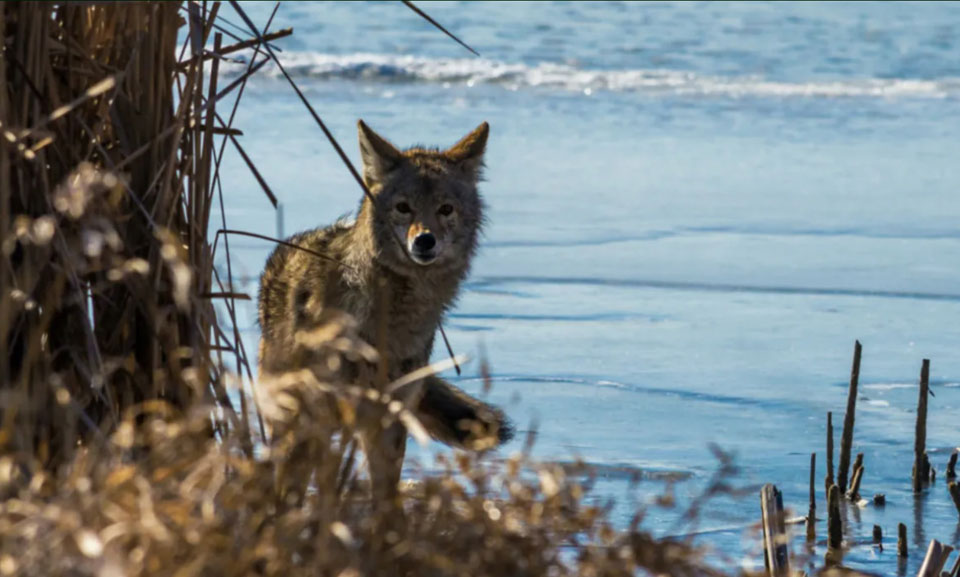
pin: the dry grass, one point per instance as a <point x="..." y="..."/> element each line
<point x="121" y="451"/>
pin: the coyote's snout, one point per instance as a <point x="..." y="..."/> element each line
<point x="396" y="270"/>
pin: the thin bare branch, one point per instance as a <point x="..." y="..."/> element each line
<point x="427" y="17"/>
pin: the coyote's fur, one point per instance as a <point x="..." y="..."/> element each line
<point x="396" y="270"/>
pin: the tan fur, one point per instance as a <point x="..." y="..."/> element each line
<point x="397" y="301"/>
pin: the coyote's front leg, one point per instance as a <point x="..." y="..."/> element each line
<point x="384" y="448"/>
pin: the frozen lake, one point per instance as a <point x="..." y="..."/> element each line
<point x="695" y="209"/>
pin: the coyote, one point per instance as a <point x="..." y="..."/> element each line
<point x="396" y="270"/>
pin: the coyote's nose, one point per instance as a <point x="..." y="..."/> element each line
<point x="424" y="242"/>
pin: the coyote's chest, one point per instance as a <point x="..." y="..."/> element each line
<point x="399" y="316"/>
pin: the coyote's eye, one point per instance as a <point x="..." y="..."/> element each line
<point x="402" y="208"/>
<point x="445" y="209"/>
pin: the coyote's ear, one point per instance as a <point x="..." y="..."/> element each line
<point x="468" y="153"/>
<point x="379" y="156"/>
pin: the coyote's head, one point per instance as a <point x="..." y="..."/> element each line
<point x="427" y="211"/>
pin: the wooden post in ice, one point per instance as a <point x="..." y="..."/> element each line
<point x="901" y="540"/>
<point x="954" y="494"/>
<point x="812" y="510"/>
<point x="828" y="481"/>
<point x="952" y="466"/>
<point x="776" y="557"/>
<point x="921" y="472"/>
<point x="846" y="441"/>
<point x="937" y="554"/>
<point x="834" y="523"/>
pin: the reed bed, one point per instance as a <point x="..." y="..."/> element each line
<point x="103" y="195"/>
<point x="129" y="442"/>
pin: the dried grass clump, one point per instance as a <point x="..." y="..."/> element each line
<point x="120" y="449"/>
<point x="162" y="497"/>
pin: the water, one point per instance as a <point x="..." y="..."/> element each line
<point x="694" y="211"/>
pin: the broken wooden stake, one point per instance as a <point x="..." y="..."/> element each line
<point x="952" y="466"/>
<point x="936" y="558"/>
<point x="834" y="523"/>
<point x="879" y="500"/>
<point x="878" y="536"/>
<point x="858" y="462"/>
<point x="775" y="554"/>
<point x="921" y="472"/>
<point x="828" y="481"/>
<point x="846" y="440"/>
<point x="954" y="489"/>
<point x="901" y="540"/>
<point x="853" y="493"/>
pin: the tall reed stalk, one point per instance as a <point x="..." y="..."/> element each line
<point x="106" y="166"/>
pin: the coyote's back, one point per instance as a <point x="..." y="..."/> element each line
<point x="289" y="278"/>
